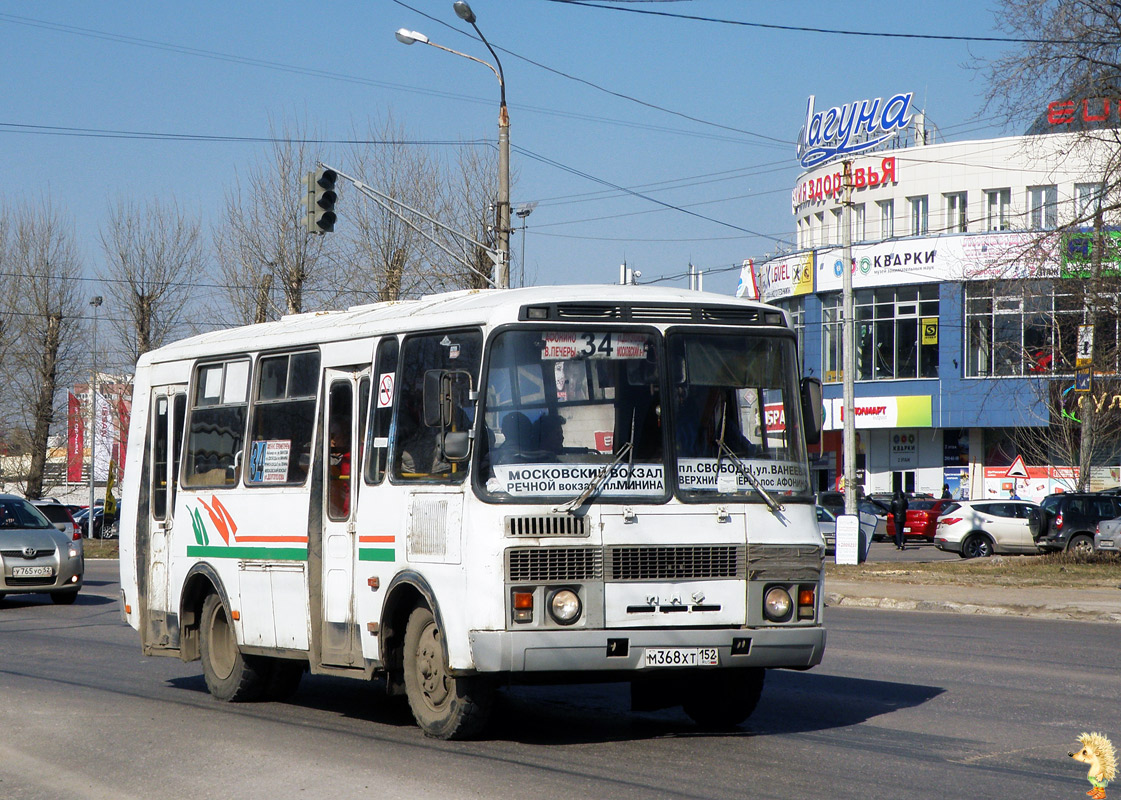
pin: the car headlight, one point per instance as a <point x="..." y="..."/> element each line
<point x="777" y="604"/>
<point x="564" y="606"/>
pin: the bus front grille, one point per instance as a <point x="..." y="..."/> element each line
<point x="552" y="564"/>
<point x="681" y="562"/>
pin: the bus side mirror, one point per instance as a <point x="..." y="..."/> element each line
<point x="813" y="415"/>
<point x="457" y="446"/>
<point x="437" y="404"/>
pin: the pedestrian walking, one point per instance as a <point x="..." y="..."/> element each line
<point x="899" y="517"/>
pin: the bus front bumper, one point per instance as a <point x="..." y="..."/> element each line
<point x="622" y="650"/>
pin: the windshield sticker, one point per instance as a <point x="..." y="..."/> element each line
<point x="700" y="475"/>
<point x="561" y="345"/>
<point x="268" y="461"/>
<point x="571" y="479"/>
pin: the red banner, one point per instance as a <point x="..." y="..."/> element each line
<point x="124" y="411"/>
<point x="75" y="439"/>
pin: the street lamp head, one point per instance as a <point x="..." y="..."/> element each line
<point x="464" y="12"/>
<point x="405" y="36"/>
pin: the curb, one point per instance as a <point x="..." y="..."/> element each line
<point x="836" y="599"/>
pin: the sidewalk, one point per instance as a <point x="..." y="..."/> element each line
<point x="1084" y="605"/>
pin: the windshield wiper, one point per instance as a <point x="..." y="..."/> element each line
<point x="595" y="483"/>
<point x="741" y="468"/>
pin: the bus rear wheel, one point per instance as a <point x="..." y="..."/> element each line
<point x="230" y="675"/>
<point x="724" y="699"/>
<point x="445" y="706"/>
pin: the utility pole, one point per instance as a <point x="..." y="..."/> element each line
<point x="96" y="303"/>
<point x="848" y="346"/>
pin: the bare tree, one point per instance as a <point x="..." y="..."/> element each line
<point x="152" y="253"/>
<point x="268" y="262"/>
<point x="43" y="264"/>
<point x="1071" y="55"/>
<point x="470" y="205"/>
<point x="385" y="256"/>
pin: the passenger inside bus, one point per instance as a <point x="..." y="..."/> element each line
<point x="707" y="415"/>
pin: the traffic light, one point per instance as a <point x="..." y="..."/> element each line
<point x="320" y="200"/>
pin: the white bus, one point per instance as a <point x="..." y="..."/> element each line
<point x="556" y="484"/>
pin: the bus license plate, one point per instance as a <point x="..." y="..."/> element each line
<point x="682" y="657"/>
<point x="32" y="572"/>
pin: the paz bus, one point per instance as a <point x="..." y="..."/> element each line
<point x="561" y="484"/>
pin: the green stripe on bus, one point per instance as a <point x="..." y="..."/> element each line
<point x="376" y="554"/>
<point x="264" y="553"/>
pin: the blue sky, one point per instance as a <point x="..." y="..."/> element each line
<point x="194" y="69"/>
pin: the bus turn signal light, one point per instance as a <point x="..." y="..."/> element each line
<point x="523" y="606"/>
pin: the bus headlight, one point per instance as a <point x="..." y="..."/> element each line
<point x="564" y="606"/>
<point x="777" y="604"/>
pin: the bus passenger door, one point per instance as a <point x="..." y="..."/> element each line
<point x="168" y="409"/>
<point x="348" y="392"/>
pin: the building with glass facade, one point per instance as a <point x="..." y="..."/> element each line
<point x="967" y="259"/>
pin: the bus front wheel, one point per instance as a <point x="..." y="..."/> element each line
<point x="444" y="706"/>
<point x="230" y="675"/>
<point x="725" y="698"/>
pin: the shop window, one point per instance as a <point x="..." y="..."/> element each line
<point x="1088" y="200"/>
<point x="957" y="220"/>
<point x="920" y="207"/>
<point x="997" y="209"/>
<point x="1043" y="207"/>
<point x="1024" y="328"/>
<point x="887" y="218"/>
<point x="889" y="333"/>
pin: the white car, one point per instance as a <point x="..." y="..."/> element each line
<point x="984" y="527"/>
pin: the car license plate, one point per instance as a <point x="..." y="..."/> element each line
<point x="682" y="657"/>
<point x="32" y="572"/>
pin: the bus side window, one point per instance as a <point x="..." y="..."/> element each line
<point x="216" y="430"/>
<point x="377" y="434"/>
<point x="283" y="419"/>
<point x="416" y="446"/>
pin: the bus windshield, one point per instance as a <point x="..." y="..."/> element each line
<point x="734" y="398"/>
<point x="560" y="407"/>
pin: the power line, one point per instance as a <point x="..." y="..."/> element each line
<point x="617" y="187"/>
<point x="830" y="31"/>
<point x="599" y="88"/>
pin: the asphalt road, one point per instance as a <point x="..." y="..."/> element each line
<point x="905" y="705"/>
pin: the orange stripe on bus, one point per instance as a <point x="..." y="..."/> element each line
<point x="377" y="538"/>
<point x="297" y="539"/>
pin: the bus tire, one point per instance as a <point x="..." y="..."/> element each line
<point x="230" y="675"/>
<point x="444" y="706"/>
<point x="723" y="699"/>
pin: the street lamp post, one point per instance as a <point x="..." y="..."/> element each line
<point x="464" y="12"/>
<point x="96" y="304"/>
<point x="522" y="213"/>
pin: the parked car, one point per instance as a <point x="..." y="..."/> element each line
<point x="922" y="518"/>
<point x="1072" y="520"/>
<point x="59" y="516"/>
<point x="827" y="526"/>
<point x="1107" y="538"/>
<point x="101" y="528"/>
<point x="36" y="556"/>
<point x="983" y="527"/>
